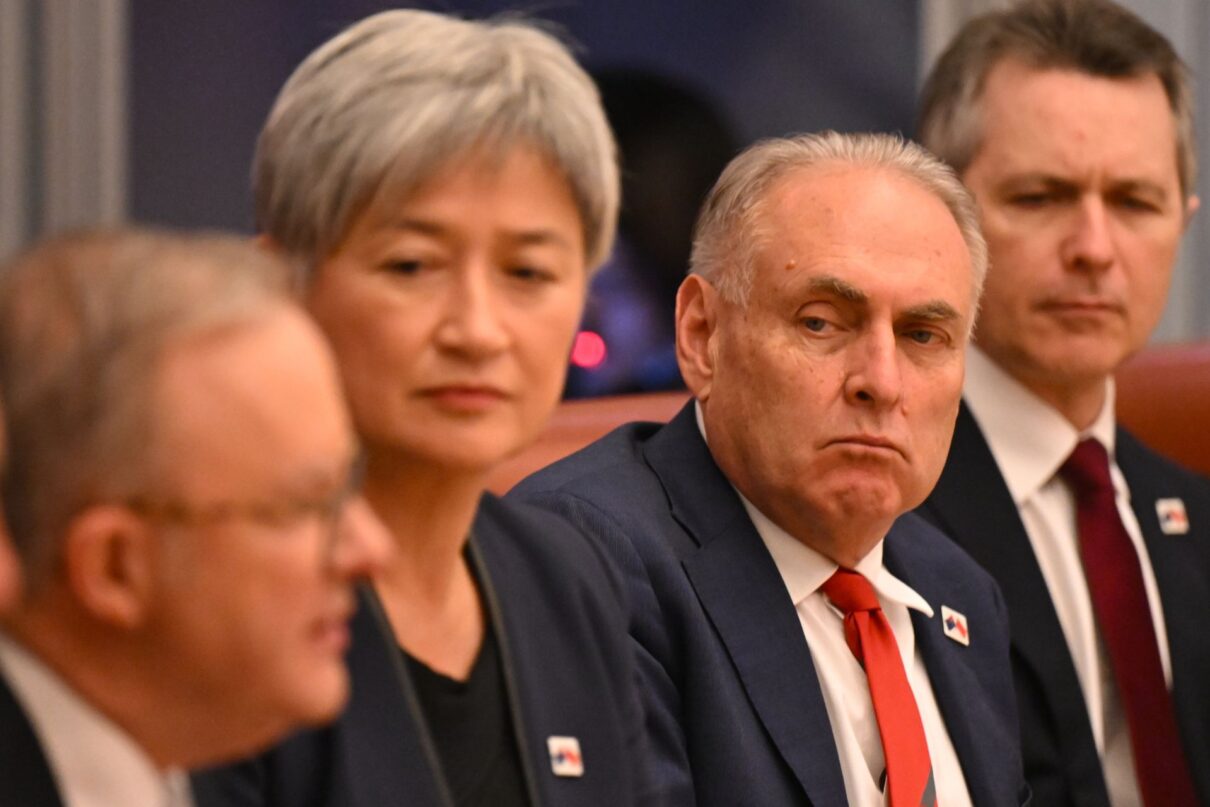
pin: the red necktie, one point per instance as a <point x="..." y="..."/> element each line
<point x="909" y="771"/>
<point x="1115" y="582"/>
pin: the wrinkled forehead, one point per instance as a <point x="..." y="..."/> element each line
<point x="862" y="234"/>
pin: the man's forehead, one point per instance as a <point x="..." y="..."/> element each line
<point x="857" y="232"/>
<point x="267" y="392"/>
<point x="1062" y="108"/>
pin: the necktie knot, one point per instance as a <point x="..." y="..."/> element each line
<point x="1087" y="469"/>
<point x="850" y="592"/>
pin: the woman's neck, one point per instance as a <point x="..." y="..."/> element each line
<point x="427" y="588"/>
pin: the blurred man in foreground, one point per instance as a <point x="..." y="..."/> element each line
<point x="178" y="489"/>
<point x="801" y="640"/>
<point x="1070" y="121"/>
<point x="10" y="573"/>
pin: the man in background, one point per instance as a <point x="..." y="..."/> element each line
<point x="178" y="489"/>
<point x="1070" y="121"/>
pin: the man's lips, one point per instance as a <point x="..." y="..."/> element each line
<point x="866" y="441"/>
<point x="1091" y="306"/>
<point x="332" y="632"/>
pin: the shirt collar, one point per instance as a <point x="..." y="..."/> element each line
<point x="1029" y="439"/>
<point x="804" y="570"/>
<point x="94" y="761"/>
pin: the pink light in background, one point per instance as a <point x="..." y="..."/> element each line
<point x="588" y="351"/>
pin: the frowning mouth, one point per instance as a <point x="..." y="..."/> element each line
<point x="865" y="442"/>
<point x="1082" y="306"/>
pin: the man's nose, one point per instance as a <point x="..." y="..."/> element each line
<point x="874" y="375"/>
<point x="1089" y="247"/>
<point x="362" y="543"/>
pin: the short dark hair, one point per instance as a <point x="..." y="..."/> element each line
<point x="1096" y="37"/>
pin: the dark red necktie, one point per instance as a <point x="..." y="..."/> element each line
<point x="1115" y="582"/>
<point x="909" y="771"/>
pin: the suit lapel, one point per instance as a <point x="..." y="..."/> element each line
<point x="27" y="780"/>
<point x="972" y="505"/>
<point x="745" y="599"/>
<point x="388" y="751"/>
<point x="967" y="717"/>
<point x="1184" y="593"/>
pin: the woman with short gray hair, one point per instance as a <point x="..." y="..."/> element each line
<point x="443" y="188"/>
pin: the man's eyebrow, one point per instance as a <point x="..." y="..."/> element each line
<point x="839" y="288"/>
<point x="1055" y="182"/>
<point x="1140" y="186"/>
<point x="931" y="311"/>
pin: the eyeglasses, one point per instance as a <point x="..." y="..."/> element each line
<point x="281" y="514"/>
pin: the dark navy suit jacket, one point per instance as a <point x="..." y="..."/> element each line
<point x="556" y="609"/>
<point x="734" y="708"/>
<point x="973" y="505"/>
<point x="25" y="776"/>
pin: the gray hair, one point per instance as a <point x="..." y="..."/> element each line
<point x="1096" y="37"/>
<point x="728" y="236"/>
<point x="384" y="105"/>
<point x="85" y="320"/>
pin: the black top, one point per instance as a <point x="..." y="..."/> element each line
<point x="473" y="730"/>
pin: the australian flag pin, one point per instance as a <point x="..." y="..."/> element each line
<point x="1173" y="518"/>
<point x="954" y="625"/>
<point x="565" y="759"/>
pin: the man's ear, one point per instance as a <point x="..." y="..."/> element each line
<point x="1191" y="206"/>
<point x="268" y="243"/>
<point x="697" y="304"/>
<point x="109" y="559"/>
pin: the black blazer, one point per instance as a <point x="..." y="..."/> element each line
<point x="973" y="505"/>
<point x="556" y="608"/>
<point x="734" y="708"/>
<point x="25" y="776"/>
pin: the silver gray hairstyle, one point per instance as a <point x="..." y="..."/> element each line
<point x="85" y="320"/>
<point x="387" y="103"/>
<point x="727" y="234"/>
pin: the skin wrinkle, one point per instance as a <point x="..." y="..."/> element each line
<point x="830" y="396"/>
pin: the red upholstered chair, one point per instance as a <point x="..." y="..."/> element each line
<point x="1164" y="398"/>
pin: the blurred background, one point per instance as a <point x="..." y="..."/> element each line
<point x="147" y="110"/>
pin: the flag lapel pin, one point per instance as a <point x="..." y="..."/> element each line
<point x="954" y="625"/>
<point x="1173" y="518"/>
<point x="565" y="759"/>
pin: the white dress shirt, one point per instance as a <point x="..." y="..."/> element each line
<point x="846" y="691"/>
<point x="1030" y="441"/>
<point x="94" y="762"/>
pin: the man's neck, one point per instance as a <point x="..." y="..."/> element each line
<point x="1079" y="404"/>
<point x="106" y="682"/>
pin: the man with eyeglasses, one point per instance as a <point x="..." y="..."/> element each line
<point x="10" y="579"/>
<point x="179" y="492"/>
